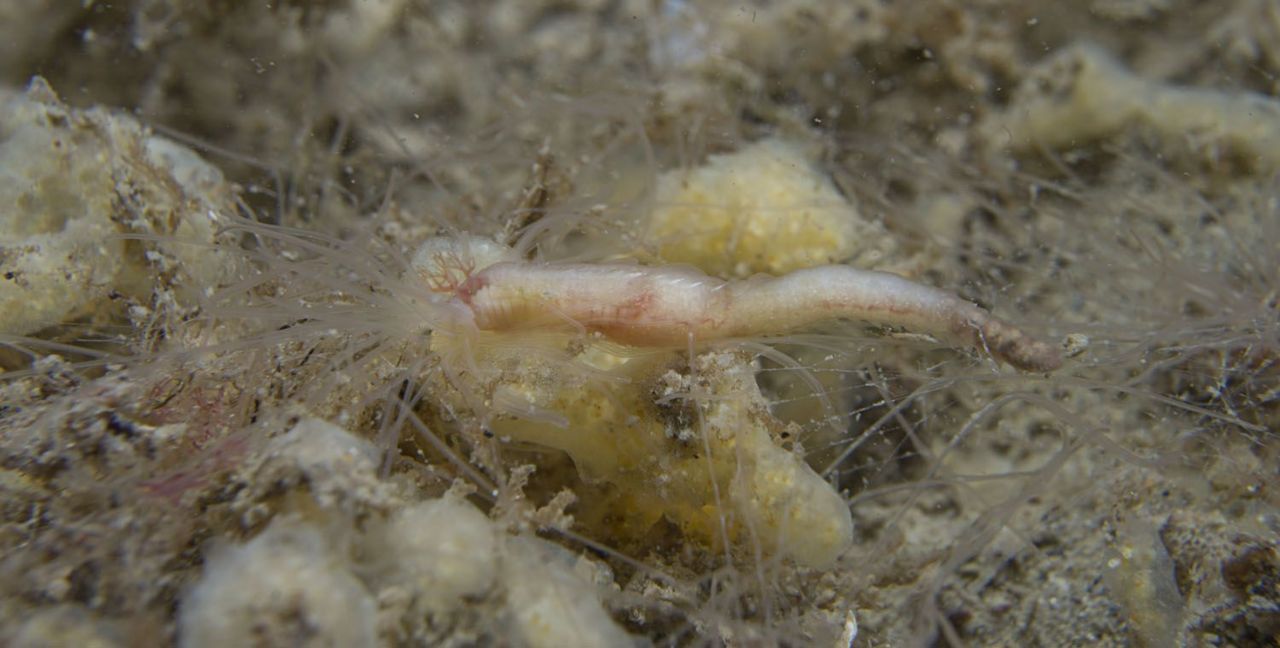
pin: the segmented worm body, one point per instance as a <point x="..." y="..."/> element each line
<point x="664" y="306"/>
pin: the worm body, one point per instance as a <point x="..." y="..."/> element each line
<point x="664" y="306"/>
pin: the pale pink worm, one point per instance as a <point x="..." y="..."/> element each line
<point x="664" y="306"/>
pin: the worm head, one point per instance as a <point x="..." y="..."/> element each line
<point x="446" y="262"/>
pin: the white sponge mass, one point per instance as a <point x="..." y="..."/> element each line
<point x="286" y="587"/>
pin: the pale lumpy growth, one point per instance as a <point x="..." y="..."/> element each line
<point x="660" y="306"/>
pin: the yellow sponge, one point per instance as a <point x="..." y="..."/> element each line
<point x="763" y="209"/>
